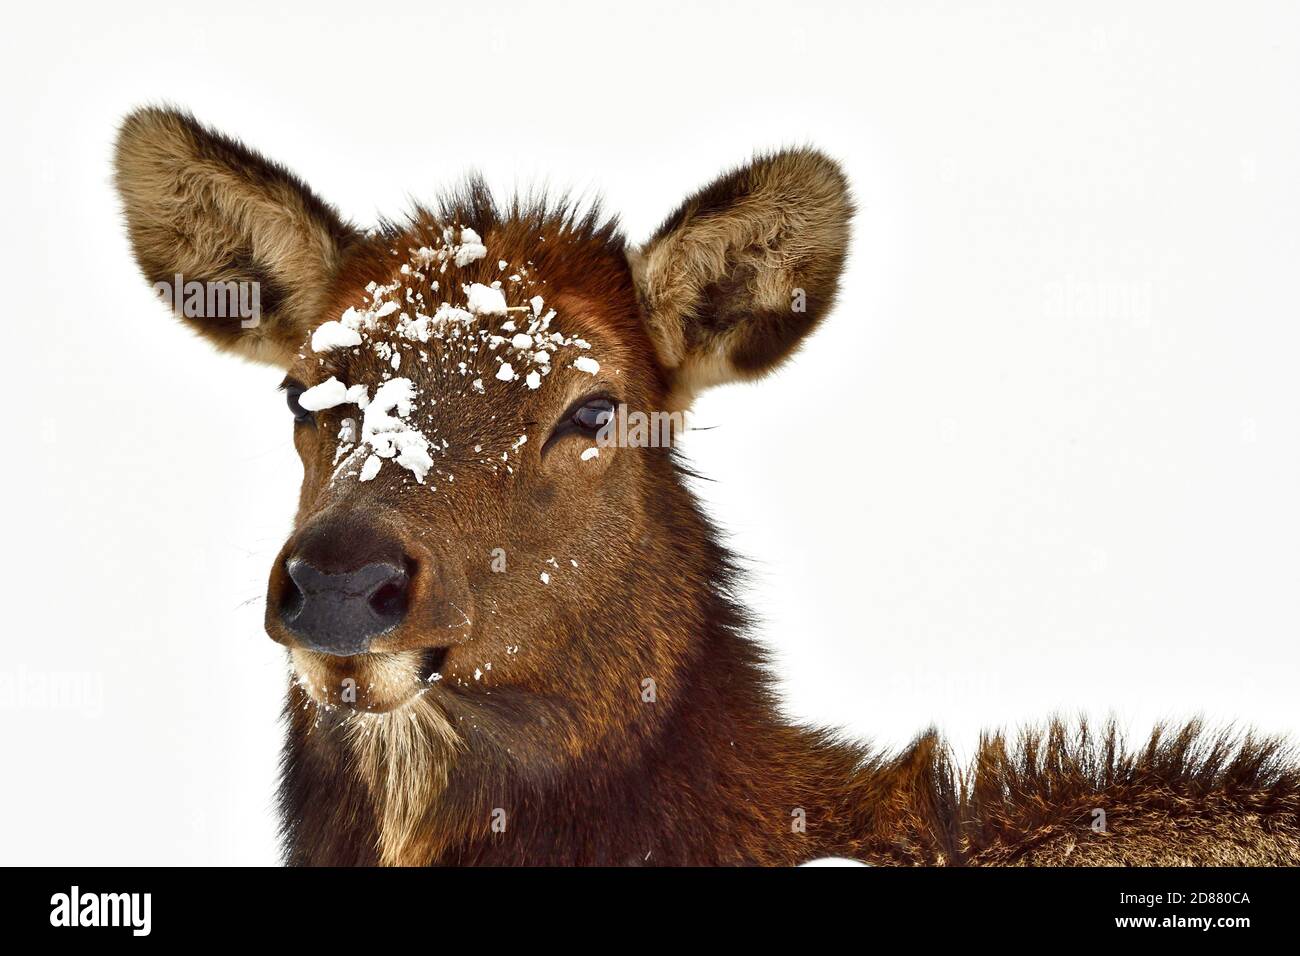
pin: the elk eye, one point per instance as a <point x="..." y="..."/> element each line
<point x="291" y="396"/>
<point x="593" y="414"/>
<point x="584" y="418"/>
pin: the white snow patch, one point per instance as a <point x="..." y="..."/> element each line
<point x="471" y="247"/>
<point x="387" y="432"/>
<point x="449" y="313"/>
<point x="485" y="300"/>
<point x="327" y="394"/>
<point x="334" y="335"/>
<point x="358" y="395"/>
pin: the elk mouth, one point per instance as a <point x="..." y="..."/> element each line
<point x="373" y="683"/>
<point x="431" y="661"/>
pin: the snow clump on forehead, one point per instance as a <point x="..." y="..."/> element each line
<point x="398" y="318"/>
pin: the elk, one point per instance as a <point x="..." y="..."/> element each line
<point x="513" y="643"/>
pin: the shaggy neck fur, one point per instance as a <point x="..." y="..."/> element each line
<point x="704" y="773"/>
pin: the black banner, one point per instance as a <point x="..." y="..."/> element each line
<point x="345" y="908"/>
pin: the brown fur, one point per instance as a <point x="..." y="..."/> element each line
<point x="1185" y="798"/>
<point x="539" y="720"/>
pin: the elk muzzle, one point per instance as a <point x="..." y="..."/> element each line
<point x="338" y="585"/>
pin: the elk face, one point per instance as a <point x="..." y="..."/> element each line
<point x="464" y="540"/>
<point x="459" y="520"/>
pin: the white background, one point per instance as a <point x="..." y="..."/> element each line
<point x="1043" y="458"/>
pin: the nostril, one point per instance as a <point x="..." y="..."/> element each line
<point x="291" y="599"/>
<point x="390" y="599"/>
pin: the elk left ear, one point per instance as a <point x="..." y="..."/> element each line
<point x="203" y="207"/>
<point x="735" y="278"/>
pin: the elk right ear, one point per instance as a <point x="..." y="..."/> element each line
<point x="735" y="279"/>
<point x="202" y="208"/>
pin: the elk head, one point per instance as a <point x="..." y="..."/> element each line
<point x="466" y="543"/>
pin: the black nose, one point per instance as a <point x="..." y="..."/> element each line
<point x="341" y="613"/>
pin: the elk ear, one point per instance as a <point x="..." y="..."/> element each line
<point x="736" y="277"/>
<point x="202" y="208"/>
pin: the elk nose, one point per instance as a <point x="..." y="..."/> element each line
<point x="341" y="613"/>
